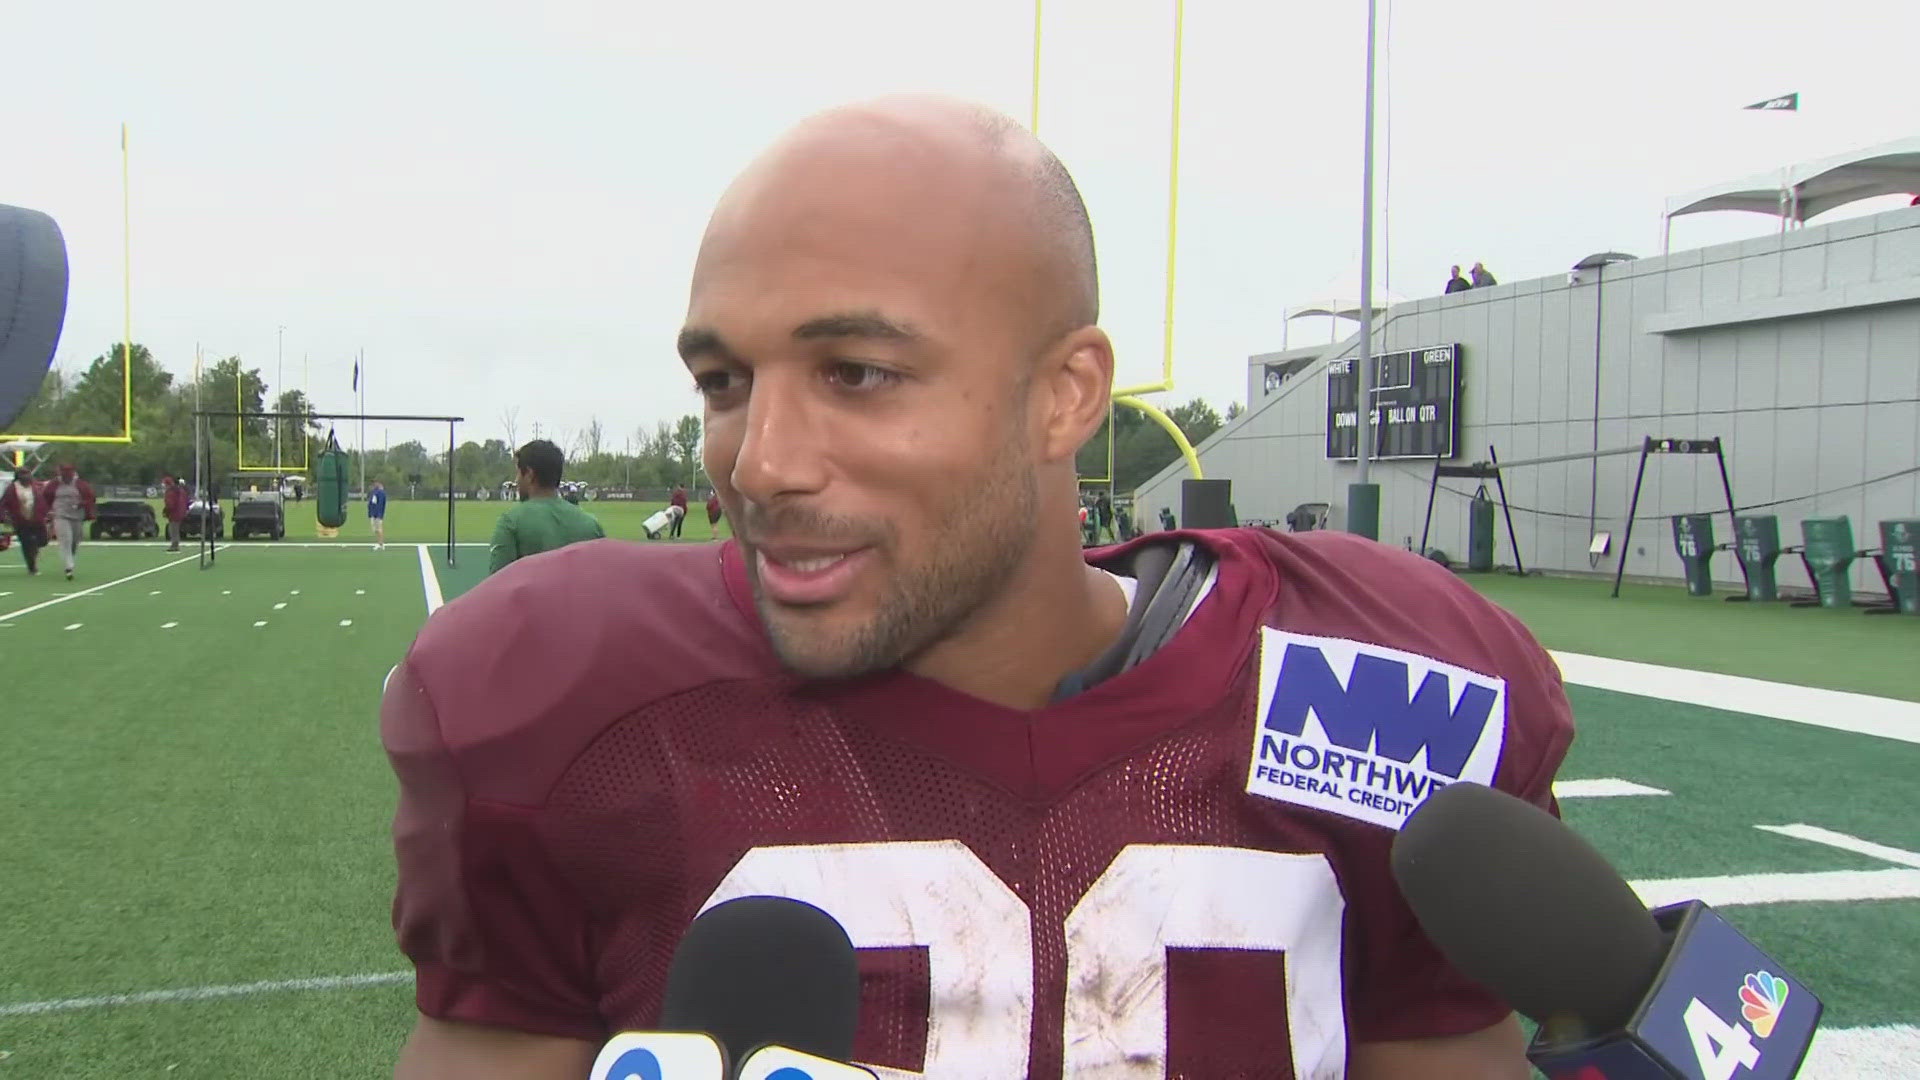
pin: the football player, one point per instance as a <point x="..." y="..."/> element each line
<point x="1119" y="813"/>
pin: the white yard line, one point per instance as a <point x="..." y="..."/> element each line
<point x="1735" y="890"/>
<point x="430" y="581"/>
<point x="1605" y="787"/>
<point x="97" y="588"/>
<point x="1897" y="856"/>
<point x="1862" y="714"/>
<point x="202" y="993"/>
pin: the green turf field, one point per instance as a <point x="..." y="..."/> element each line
<point x="195" y="869"/>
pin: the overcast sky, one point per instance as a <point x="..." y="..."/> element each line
<point x="502" y="207"/>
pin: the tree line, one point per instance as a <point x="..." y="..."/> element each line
<point x="90" y="402"/>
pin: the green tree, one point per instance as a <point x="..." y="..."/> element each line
<point x="686" y="445"/>
<point x="1141" y="447"/>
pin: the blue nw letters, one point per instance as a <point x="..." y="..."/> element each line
<point x="1375" y="702"/>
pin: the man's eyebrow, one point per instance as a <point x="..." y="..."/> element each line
<point x="700" y="341"/>
<point x="856" y="324"/>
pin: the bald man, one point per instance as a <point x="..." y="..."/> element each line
<point x="1121" y="818"/>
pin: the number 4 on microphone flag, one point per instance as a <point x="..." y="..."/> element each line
<point x="660" y="1055"/>
<point x="1783" y="103"/>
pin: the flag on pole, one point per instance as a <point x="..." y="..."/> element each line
<point x="356" y="376"/>
<point x="1783" y="103"/>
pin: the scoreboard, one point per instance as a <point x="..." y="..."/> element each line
<point x="1416" y="404"/>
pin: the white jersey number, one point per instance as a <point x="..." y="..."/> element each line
<point x="979" y="940"/>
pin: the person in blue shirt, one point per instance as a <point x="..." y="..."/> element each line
<point x="377" y="514"/>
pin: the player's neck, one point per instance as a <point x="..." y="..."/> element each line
<point x="1048" y="624"/>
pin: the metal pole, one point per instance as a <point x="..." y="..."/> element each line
<point x="1364" y="406"/>
<point x="360" y="365"/>
<point x="279" y="376"/>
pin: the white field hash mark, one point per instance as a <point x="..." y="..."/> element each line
<point x="260" y="623"/>
<point x="346" y="622"/>
<point x="169" y="625"/>
<point x="280" y="606"/>
<point x="75" y="626"/>
<point x="1606" y="787"/>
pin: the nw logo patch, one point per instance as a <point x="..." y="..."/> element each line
<point x="1368" y="732"/>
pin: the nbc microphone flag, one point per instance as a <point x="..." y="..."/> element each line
<point x="1783" y="103"/>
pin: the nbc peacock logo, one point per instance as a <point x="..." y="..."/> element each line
<point x="1761" y="1000"/>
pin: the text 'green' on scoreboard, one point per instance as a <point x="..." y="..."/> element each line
<point x="1416" y="404"/>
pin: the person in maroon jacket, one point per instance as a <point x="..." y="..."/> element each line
<point x="679" y="499"/>
<point x="25" y="508"/>
<point x="175" y="509"/>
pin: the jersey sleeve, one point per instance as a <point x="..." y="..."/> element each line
<point x="505" y="546"/>
<point x="496" y="935"/>
<point x="1403" y="987"/>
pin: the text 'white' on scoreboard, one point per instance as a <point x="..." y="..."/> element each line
<point x="1416" y="404"/>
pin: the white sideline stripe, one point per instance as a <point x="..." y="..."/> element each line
<point x="1854" y="1053"/>
<point x="1737" y="890"/>
<point x="89" y="592"/>
<point x="1862" y="714"/>
<point x="1605" y="787"/>
<point x="429" y="581"/>
<point x="1818" y="835"/>
<point x="203" y="993"/>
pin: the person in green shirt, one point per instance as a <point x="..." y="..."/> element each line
<point x="541" y="520"/>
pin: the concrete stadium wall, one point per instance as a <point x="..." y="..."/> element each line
<point x="1801" y="351"/>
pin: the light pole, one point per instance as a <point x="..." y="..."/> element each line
<point x="279" y="373"/>
<point x="1363" y="498"/>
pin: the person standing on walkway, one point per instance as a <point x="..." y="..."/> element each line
<point x="24" y="506"/>
<point x="69" y="508"/>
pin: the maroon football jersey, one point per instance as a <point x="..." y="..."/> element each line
<point x="1181" y="871"/>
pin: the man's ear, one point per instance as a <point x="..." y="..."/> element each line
<point x="1075" y="378"/>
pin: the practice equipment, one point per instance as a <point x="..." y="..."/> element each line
<point x="33" y="304"/>
<point x="660" y="520"/>
<point x="330" y="480"/>
<point x="1520" y="903"/>
<point x="765" y="981"/>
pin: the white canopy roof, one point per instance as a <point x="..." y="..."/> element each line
<point x="1340" y="298"/>
<point x="1799" y="192"/>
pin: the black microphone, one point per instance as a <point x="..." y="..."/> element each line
<point x="759" y="987"/>
<point x="1521" y="904"/>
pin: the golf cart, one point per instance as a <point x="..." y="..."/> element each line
<point x="258" y="512"/>
<point x="129" y="518"/>
<point x="203" y="511"/>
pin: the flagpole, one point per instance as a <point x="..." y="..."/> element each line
<point x="360" y="377"/>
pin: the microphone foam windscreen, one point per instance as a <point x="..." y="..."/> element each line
<point x="1521" y="904"/>
<point x="766" y="969"/>
<point x="33" y="304"/>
